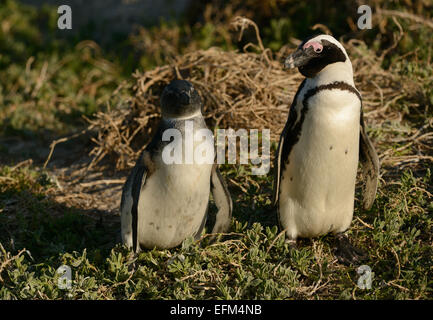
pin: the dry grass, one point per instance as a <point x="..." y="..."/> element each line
<point x="47" y="211"/>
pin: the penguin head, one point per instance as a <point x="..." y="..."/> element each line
<point x="180" y="99"/>
<point x="315" y="53"/>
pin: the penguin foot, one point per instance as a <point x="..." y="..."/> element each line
<point x="292" y="243"/>
<point x="347" y="253"/>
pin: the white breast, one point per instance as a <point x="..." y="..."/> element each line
<point x="318" y="186"/>
<point x="173" y="203"/>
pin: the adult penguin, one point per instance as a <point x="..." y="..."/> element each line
<point x="321" y="144"/>
<point x="164" y="201"/>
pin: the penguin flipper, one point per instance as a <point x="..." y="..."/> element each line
<point x="223" y="201"/>
<point x="370" y="166"/>
<point x="288" y="139"/>
<point x="277" y="169"/>
<point x="129" y="204"/>
<point x="282" y="153"/>
<point x="137" y="186"/>
<point x="197" y="235"/>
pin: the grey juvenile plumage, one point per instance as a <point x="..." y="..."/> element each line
<point x="321" y="144"/>
<point x="163" y="204"/>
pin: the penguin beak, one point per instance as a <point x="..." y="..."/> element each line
<point x="184" y="98"/>
<point x="299" y="58"/>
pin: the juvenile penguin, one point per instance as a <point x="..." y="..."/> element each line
<point x="321" y="144"/>
<point x="164" y="203"/>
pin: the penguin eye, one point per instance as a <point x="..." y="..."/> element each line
<point x="318" y="50"/>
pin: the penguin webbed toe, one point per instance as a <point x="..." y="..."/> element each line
<point x="346" y="252"/>
<point x="292" y="243"/>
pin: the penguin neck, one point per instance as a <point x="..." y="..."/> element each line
<point x="339" y="71"/>
<point x="189" y="116"/>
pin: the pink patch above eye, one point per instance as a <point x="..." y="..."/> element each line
<point x="316" y="46"/>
